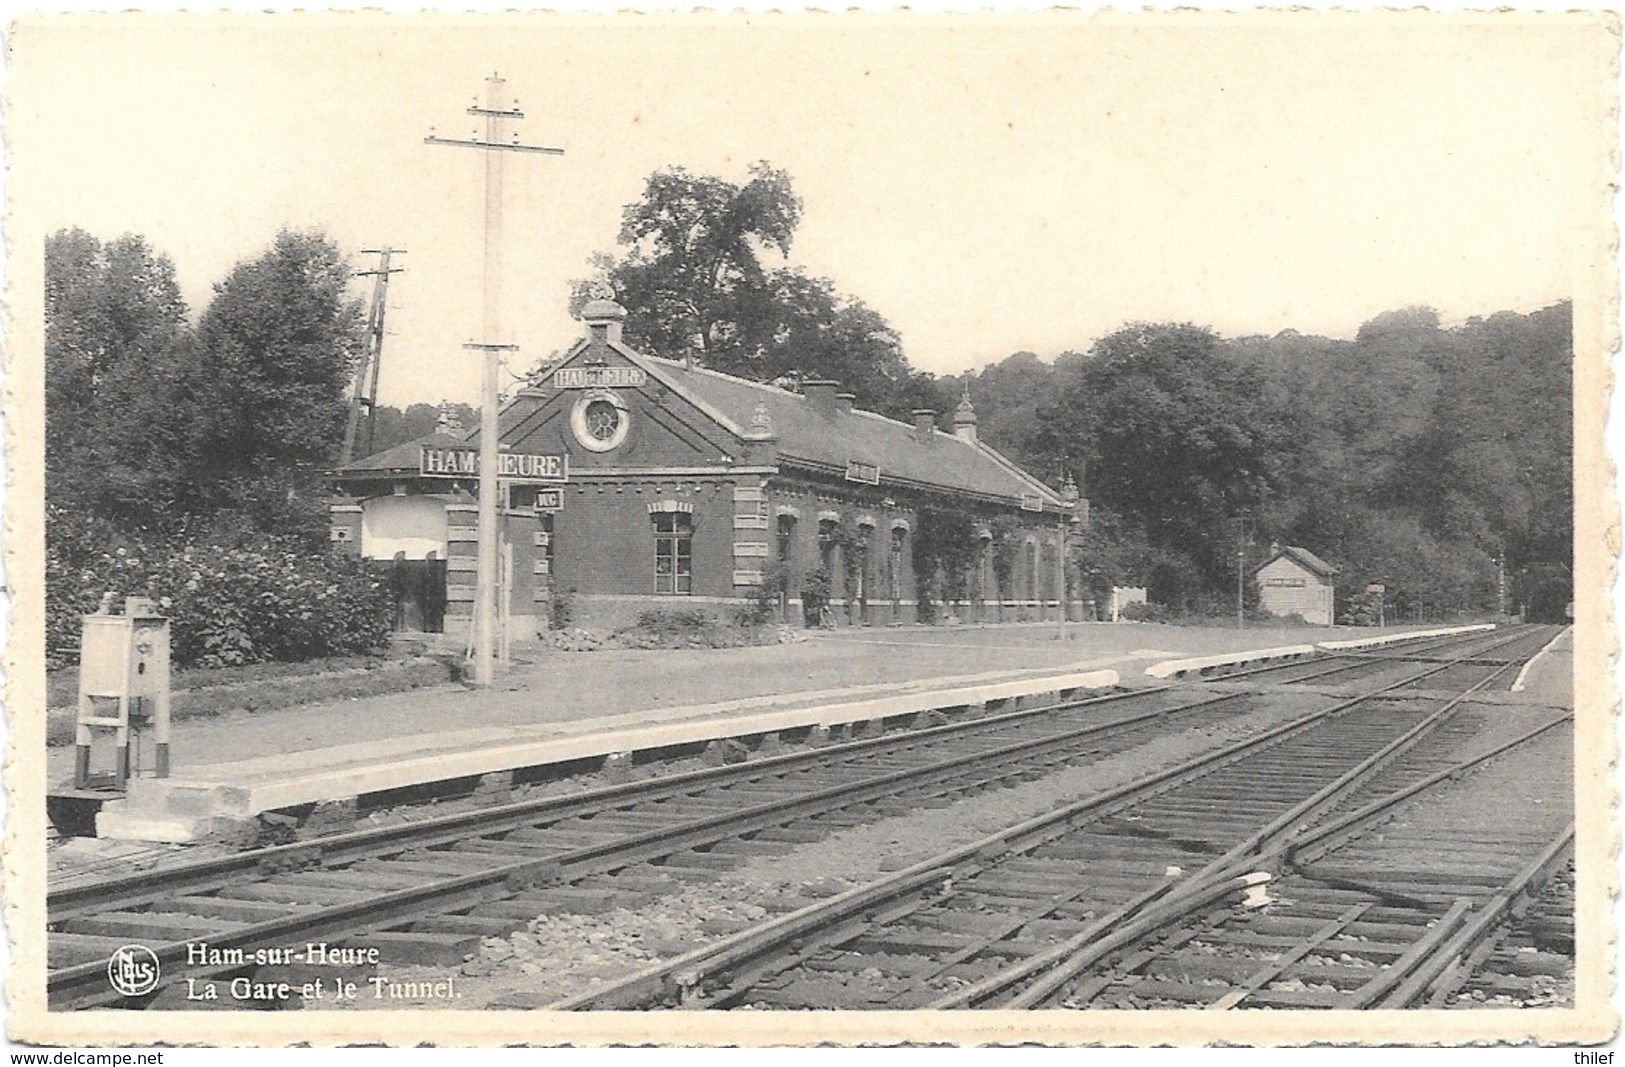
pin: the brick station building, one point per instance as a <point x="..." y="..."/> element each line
<point x="639" y="482"/>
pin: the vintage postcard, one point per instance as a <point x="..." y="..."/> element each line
<point x="1054" y="527"/>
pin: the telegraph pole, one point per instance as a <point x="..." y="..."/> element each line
<point x="366" y="392"/>
<point x="499" y="139"/>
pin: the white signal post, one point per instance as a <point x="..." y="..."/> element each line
<point x="498" y="140"/>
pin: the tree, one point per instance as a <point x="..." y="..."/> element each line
<point x="277" y="346"/>
<point x="1174" y="433"/>
<point x="396" y="427"/>
<point x="692" y="278"/>
<point x="120" y="377"/>
<point x="695" y="285"/>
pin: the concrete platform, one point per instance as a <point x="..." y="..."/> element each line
<point x="1180" y="668"/>
<point x="556" y="706"/>
<point x="212" y="800"/>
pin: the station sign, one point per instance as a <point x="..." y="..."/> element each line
<point x="549" y="500"/>
<point x="458" y="462"/>
<point x="599" y="377"/>
<point x="859" y="471"/>
<point x="1032" y="502"/>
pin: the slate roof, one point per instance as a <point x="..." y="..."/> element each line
<point x="1303" y="556"/>
<point x="403" y="457"/>
<point x="806" y="437"/>
<point x="826" y="441"/>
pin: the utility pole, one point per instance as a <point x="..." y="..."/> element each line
<point x="366" y="392"/>
<point x="499" y="139"/>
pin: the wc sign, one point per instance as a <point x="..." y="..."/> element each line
<point x="549" y="500"/>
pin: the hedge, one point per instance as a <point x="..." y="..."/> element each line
<point x="227" y="606"/>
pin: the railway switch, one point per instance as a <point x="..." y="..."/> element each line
<point x="123" y="687"/>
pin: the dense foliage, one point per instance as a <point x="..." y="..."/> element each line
<point x="184" y="463"/>
<point x="1412" y="456"/>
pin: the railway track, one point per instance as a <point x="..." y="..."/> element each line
<point x="1384" y="914"/>
<point x="490" y="857"/>
<point x="1014" y="919"/>
<point x="1348" y="667"/>
<point x="433" y="887"/>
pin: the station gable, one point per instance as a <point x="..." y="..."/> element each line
<point x="605" y="410"/>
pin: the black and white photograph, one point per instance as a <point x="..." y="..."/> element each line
<point x="790" y="529"/>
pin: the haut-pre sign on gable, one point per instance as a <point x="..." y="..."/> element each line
<point x="599" y="377"/>
<point x="514" y="466"/>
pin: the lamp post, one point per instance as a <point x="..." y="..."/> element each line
<point x="1069" y="497"/>
<point x="1241" y="572"/>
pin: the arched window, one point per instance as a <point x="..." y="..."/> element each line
<point x="826" y="547"/>
<point x="894" y="569"/>
<point x="860" y="563"/>
<point x="674" y="552"/>
<point x="786" y="538"/>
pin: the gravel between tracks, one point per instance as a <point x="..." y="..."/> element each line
<point x="562" y="954"/>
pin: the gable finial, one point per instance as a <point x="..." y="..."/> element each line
<point x="761" y="424"/>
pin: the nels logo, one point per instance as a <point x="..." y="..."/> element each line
<point x="133" y="970"/>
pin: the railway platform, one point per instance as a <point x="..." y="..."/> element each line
<point x="604" y="710"/>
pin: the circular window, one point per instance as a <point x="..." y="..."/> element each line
<point x="600" y="420"/>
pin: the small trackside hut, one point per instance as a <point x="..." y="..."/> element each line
<point x="634" y="482"/>
<point x="1295" y="581"/>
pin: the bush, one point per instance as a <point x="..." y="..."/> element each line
<point x="687" y="628"/>
<point x="1143" y="611"/>
<point x="564" y="609"/>
<point x="227" y="606"/>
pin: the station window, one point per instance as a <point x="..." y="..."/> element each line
<point x="826" y="547"/>
<point x="786" y="532"/>
<point x="894" y="569"/>
<point x="674" y="552"/>
<point x="860" y="564"/>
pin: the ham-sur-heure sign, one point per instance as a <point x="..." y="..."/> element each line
<point x="455" y="462"/>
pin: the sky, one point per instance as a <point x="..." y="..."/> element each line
<point x="1027" y="184"/>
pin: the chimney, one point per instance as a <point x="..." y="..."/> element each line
<point x="820" y="394"/>
<point x="965" y="418"/>
<point x="1275" y="549"/>
<point x="603" y="319"/>
<point x="843" y="402"/>
<point x="925" y="424"/>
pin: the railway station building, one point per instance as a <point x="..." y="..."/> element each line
<point x="633" y="482"/>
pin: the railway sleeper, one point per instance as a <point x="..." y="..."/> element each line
<point x="478" y="925"/>
<point x="1412" y="882"/>
<point x="931" y="942"/>
<point x="1236" y="970"/>
<point x="1376" y="951"/>
<point x="494" y="846"/>
<point x="421" y="948"/>
<point x="378" y="878"/>
<point x="903" y="966"/>
<point x="1143" y="864"/>
<point x="280" y="892"/>
<point x="1285" y="924"/>
<point x="692" y="860"/>
<point x="146" y="926"/>
<point x="968" y="923"/>
<point x="569" y="900"/>
<point x="64" y="949"/>
<point x="1530" y="963"/>
<point x="248" y="911"/>
<point x="626" y="881"/>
